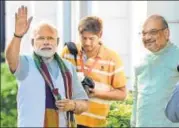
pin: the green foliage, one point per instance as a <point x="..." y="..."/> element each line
<point x="8" y="98"/>
<point x="120" y="113"/>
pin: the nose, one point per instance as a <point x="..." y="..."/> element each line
<point x="147" y="36"/>
<point x="87" y="42"/>
<point x="46" y="41"/>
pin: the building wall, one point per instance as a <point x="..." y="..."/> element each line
<point x="116" y="18"/>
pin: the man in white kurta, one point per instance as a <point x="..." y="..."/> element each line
<point x="35" y="102"/>
<point x="156" y="76"/>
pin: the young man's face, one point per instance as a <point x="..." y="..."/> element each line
<point x="154" y="35"/>
<point x="45" y="42"/>
<point x="89" y="41"/>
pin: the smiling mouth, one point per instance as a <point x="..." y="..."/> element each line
<point x="46" y="49"/>
<point x="149" y="43"/>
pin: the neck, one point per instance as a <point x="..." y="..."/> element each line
<point x="47" y="59"/>
<point x="94" y="52"/>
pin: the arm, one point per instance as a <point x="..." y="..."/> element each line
<point x="172" y="108"/>
<point x="117" y="81"/>
<point x="133" y="116"/>
<point x="21" y="27"/>
<point x="77" y="106"/>
<point x="80" y="106"/>
<point x="115" y="94"/>
<point x="79" y="102"/>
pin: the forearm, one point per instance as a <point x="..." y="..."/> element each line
<point x="80" y="106"/>
<point x="134" y="107"/>
<point x="12" y="53"/>
<point x="116" y="94"/>
<point x="172" y="108"/>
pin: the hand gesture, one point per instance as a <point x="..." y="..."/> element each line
<point x="65" y="105"/>
<point x="21" y="22"/>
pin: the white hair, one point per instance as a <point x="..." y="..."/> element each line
<point x="42" y="23"/>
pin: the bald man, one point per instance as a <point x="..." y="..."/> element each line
<point x="155" y="76"/>
<point x="48" y="88"/>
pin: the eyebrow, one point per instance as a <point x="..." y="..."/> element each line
<point x="150" y="30"/>
<point x="45" y="37"/>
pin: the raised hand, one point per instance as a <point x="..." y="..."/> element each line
<point x="21" y="22"/>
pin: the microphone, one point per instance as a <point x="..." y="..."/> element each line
<point x="178" y="68"/>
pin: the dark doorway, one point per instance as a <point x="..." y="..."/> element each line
<point x="2" y="28"/>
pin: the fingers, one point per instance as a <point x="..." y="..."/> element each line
<point x="63" y="105"/>
<point x="25" y="12"/>
<point x="29" y="22"/>
<point x="65" y="101"/>
<point x="91" y="90"/>
<point x="15" y="17"/>
<point x="19" y="12"/>
<point x="22" y="11"/>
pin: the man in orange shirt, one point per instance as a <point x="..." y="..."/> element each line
<point x="101" y="64"/>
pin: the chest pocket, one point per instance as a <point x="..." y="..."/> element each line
<point x="101" y="72"/>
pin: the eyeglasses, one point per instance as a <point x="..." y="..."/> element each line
<point x="152" y="32"/>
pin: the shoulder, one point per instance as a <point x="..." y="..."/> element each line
<point x="175" y="48"/>
<point x="26" y="58"/>
<point x="141" y="64"/>
<point x="110" y="54"/>
<point x="68" y="64"/>
<point x="172" y="55"/>
<point x="65" y="50"/>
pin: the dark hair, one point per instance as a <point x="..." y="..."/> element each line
<point x="90" y="24"/>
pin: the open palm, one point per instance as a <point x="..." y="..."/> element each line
<point x="21" y="22"/>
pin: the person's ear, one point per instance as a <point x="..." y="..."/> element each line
<point x="167" y="33"/>
<point x="100" y="34"/>
<point x="32" y="42"/>
<point x="58" y="40"/>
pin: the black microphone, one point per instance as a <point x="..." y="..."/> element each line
<point x="178" y="68"/>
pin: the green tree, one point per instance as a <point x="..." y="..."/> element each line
<point x="8" y="98"/>
<point x="120" y="112"/>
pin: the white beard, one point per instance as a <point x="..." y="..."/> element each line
<point x="44" y="53"/>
